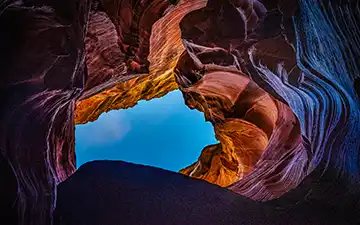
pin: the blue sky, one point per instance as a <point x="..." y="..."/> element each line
<point x="161" y="132"/>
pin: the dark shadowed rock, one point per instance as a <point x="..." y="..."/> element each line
<point x="115" y="192"/>
<point x="8" y="193"/>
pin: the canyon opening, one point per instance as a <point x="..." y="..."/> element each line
<point x="161" y="132"/>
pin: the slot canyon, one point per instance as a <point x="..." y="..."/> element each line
<point x="277" y="79"/>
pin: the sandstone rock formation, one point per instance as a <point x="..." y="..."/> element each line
<point x="164" y="51"/>
<point x="275" y="78"/>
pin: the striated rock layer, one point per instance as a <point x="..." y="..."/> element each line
<point x="263" y="48"/>
<point x="245" y="119"/>
<point x="259" y="134"/>
<point x="164" y="51"/>
<point x="123" y="96"/>
<point x="43" y="53"/>
<point x="275" y="78"/>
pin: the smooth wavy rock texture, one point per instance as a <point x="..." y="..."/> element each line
<point x="275" y="78"/>
<point x="164" y="51"/>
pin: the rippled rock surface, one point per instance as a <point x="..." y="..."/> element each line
<point x="275" y="78"/>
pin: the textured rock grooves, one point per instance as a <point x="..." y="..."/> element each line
<point x="165" y="49"/>
<point x="275" y="78"/>
<point x="246" y="120"/>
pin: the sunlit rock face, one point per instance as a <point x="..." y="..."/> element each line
<point x="123" y="95"/>
<point x="244" y="117"/>
<point x="164" y="51"/>
<point x="275" y="78"/>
